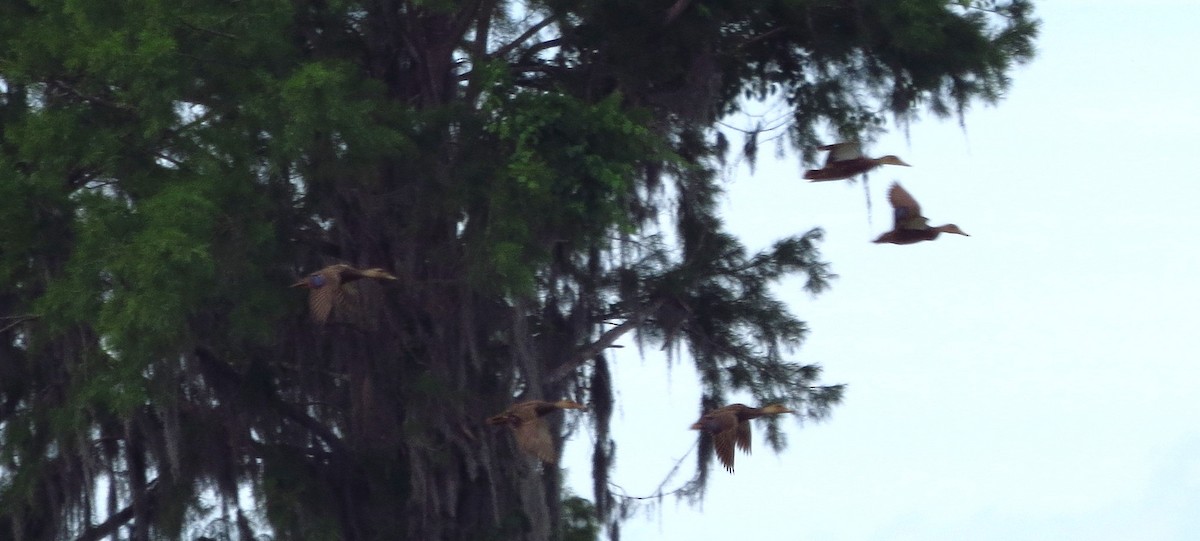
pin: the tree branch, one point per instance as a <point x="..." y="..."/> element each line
<point x="209" y="30"/>
<point x="970" y="5"/>
<point x="605" y="341"/>
<point x="222" y="371"/>
<point x="543" y="45"/>
<point x="507" y="48"/>
<point x="119" y="518"/>
<point x="17" y="320"/>
<point x="95" y="100"/>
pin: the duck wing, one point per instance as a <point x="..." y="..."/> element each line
<point x="346" y="272"/>
<point x="840" y="152"/>
<point x="743" y="436"/>
<point x="322" y="298"/>
<point x="723" y="425"/>
<point x="906" y="210"/>
<point x="533" y="436"/>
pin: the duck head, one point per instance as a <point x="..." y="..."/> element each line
<point x="775" y="409"/>
<point x="951" y="228"/>
<point x="570" y="405"/>
<point x="892" y="160"/>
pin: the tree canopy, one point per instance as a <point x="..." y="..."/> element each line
<point x="541" y="177"/>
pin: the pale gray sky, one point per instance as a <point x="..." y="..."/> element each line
<point x="1035" y="381"/>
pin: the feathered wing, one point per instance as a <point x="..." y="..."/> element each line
<point x="723" y="425"/>
<point x="322" y="299"/>
<point x="723" y="443"/>
<point x="839" y="152"/>
<point x="907" y="211"/>
<point x="533" y="437"/>
<point x="845" y="160"/>
<point x="743" y="436"/>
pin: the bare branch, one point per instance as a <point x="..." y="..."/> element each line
<point x="118" y="519"/>
<point x="977" y="6"/>
<point x="209" y="30"/>
<point x="658" y="493"/>
<point x="605" y="341"/>
<point x="543" y="45"/>
<point x="17" y="320"/>
<point x="524" y="36"/>
<point x="63" y="85"/>
<point x="224" y="373"/>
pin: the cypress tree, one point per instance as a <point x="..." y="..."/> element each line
<point x="540" y="176"/>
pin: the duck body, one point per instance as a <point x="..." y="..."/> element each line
<point x="909" y="226"/>
<point x="729" y="427"/>
<point x="529" y="429"/>
<point x="846" y="160"/>
<point x="325" y="286"/>
<point x="913" y="236"/>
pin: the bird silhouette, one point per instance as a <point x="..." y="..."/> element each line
<point x="730" y="427"/>
<point x="528" y="427"/>
<point x="846" y="160"/>
<point x="325" y="287"/>
<point x="910" y="227"/>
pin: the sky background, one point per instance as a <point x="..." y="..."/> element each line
<point x="1034" y="381"/>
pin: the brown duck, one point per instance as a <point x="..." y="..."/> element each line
<point x="325" y="286"/>
<point x="530" y="430"/>
<point x="846" y="160"/>
<point x="730" y="426"/>
<point x="910" y="227"/>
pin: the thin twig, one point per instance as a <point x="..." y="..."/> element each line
<point x="658" y="491"/>
<point x="17" y="320"/>
<point x="59" y="84"/>
<point x="208" y="30"/>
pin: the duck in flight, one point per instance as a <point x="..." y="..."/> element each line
<point x="910" y="227"/>
<point x="729" y="426"/>
<point x="528" y="427"/>
<point x="325" y="287"/>
<point x="846" y="160"/>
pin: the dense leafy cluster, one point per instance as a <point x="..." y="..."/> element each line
<point x="540" y="176"/>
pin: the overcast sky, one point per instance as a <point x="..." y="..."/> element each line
<point x="1034" y="381"/>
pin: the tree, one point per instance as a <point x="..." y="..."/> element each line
<point x="540" y="177"/>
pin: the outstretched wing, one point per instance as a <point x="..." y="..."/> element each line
<point x="840" y="152"/>
<point x="723" y="443"/>
<point x="723" y="425"/>
<point x="322" y="299"/>
<point x="907" y="211"/>
<point x="533" y="437"/>
<point x="743" y="436"/>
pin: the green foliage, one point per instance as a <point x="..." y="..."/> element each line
<point x="154" y="274"/>
<point x="327" y="99"/>
<point x="569" y="166"/>
<point x="579" y="519"/>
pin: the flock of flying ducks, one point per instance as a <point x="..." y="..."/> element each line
<point x="846" y="160"/>
<point x="728" y="426"/>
